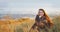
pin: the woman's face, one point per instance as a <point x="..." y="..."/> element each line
<point x="41" y="13"/>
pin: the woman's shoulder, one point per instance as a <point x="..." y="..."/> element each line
<point x="44" y="17"/>
<point x="37" y="15"/>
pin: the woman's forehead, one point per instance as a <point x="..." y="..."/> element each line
<point x="40" y="11"/>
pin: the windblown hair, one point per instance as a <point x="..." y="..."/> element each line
<point x="47" y="17"/>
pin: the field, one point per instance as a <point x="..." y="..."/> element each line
<point x="8" y="24"/>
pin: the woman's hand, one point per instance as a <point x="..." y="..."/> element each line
<point x="37" y="23"/>
<point x="41" y="24"/>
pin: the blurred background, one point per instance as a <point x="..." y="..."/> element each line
<point x="12" y="9"/>
<point x="19" y="8"/>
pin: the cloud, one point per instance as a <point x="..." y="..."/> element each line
<point x="30" y="7"/>
<point x="3" y="3"/>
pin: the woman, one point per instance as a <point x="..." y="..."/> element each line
<point x="42" y="21"/>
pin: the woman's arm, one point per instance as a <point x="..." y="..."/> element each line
<point x="36" y="19"/>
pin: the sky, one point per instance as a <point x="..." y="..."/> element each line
<point x="29" y="6"/>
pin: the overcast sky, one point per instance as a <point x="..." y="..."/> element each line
<point x="29" y="6"/>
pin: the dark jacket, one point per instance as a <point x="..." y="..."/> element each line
<point x="38" y="19"/>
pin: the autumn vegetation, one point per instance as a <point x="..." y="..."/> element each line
<point x="8" y="24"/>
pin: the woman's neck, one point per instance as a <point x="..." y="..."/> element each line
<point x="40" y="16"/>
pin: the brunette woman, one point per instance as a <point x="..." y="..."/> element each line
<point x="42" y="21"/>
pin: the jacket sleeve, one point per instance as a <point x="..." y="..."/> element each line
<point x="36" y="19"/>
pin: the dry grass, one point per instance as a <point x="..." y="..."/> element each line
<point x="15" y="25"/>
<point x="8" y="24"/>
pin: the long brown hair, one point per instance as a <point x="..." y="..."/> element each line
<point x="47" y="17"/>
